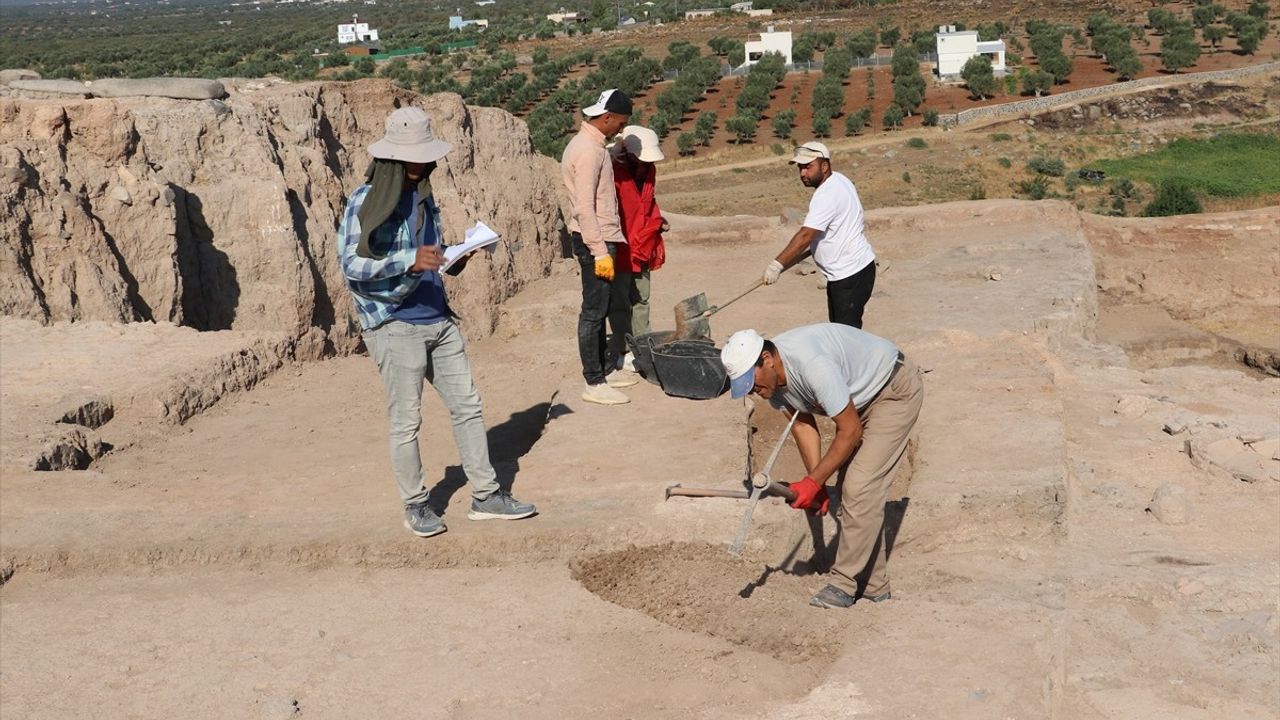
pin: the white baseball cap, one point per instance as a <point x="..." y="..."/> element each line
<point x="613" y="100"/>
<point x="739" y="358"/>
<point x="642" y="142"/>
<point x="809" y="152"/>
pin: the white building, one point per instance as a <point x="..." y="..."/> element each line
<point x="356" y="31"/>
<point x="744" y="8"/>
<point x="565" y="17"/>
<point x="955" y="49"/>
<point x="457" y="23"/>
<point x="769" y="42"/>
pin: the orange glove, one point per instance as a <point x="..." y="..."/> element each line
<point x="604" y="268"/>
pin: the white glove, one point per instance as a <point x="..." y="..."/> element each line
<point x="772" y="272"/>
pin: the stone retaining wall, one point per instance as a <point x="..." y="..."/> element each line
<point x="1048" y="102"/>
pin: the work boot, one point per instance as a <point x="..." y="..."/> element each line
<point x="621" y="379"/>
<point x="602" y="394"/>
<point x="629" y="362"/>
<point x="832" y="597"/>
<point x="500" y="506"/>
<point x="422" y="520"/>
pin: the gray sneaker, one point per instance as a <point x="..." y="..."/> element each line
<point x="832" y="597"/>
<point x="500" y="506"/>
<point x="422" y="520"/>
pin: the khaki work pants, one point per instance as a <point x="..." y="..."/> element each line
<point x="886" y="425"/>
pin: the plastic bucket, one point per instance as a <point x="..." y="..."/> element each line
<point x="690" y="369"/>
<point x="642" y="349"/>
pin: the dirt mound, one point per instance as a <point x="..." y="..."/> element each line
<point x="701" y="588"/>
<point x="220" y="215"/>
<point x="1201" y="102"/>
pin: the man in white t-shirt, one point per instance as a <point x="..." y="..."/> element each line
<point x="874" y="395"/>
<point x="833" y="233"/>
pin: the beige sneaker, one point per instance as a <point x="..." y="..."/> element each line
<point x="621" y="379"/>
<point x="602" y="394"/>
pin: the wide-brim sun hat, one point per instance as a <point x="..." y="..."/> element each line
<point x="739" y="357"/>
<point x="809" y="152"/>
<point x="643" y="143"/>
<point x="409" y="138"/>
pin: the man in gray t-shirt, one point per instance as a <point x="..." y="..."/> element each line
<point x="873" y="394"/>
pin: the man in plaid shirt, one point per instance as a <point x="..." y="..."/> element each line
<point x="389" y="246"/>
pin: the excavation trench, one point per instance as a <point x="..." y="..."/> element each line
<point x="758" y="601"/>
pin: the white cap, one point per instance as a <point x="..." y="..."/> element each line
<point x="739" y="358"/>
<point x="809" y="152"/>
<point x="642" y="142"/>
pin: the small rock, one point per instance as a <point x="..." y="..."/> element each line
<point x="1170" y="505"/>
<point x="1174" y="428"/>
<point x="92" y="411"/>
<point x="121" y="195"/>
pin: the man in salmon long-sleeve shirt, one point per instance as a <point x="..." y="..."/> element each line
<point x="597" y="233"/>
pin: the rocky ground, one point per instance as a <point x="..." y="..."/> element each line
<point x="1081" y="533"/>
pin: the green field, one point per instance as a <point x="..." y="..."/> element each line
<point x="1235" y="165"/>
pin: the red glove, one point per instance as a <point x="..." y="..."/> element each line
<point x="807" y="490"/>
<point x="822" y="502"/>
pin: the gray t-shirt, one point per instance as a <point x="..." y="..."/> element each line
<point x="828" y="363"/>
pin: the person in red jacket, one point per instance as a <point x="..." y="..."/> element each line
<point x="642" y="223"/>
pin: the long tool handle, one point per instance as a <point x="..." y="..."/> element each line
<point x="772" y="489"/>
<point x="782" y="440"/>
<point x="736" y="298"/>
<point x="745" y="525"/>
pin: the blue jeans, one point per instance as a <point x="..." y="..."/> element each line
<point x="406" y="355"/>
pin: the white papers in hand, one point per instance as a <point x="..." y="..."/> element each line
<point x="480" y="236"/>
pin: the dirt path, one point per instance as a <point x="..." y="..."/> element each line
<point x="252" y="563"/>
